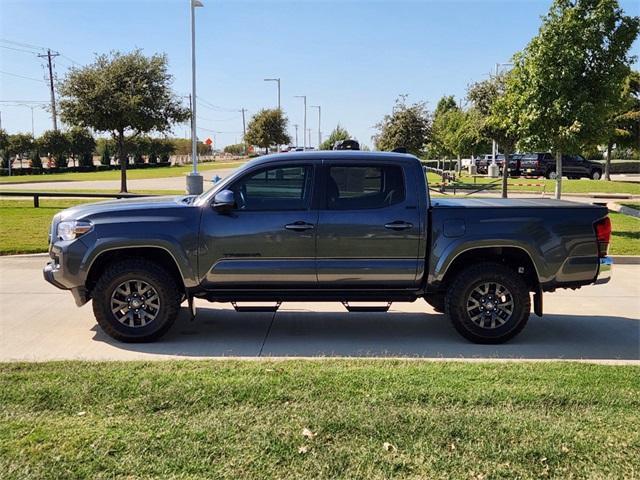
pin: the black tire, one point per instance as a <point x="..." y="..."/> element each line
<point x="436" y="300"/>
<point x="459" y="296"/>
<point x="596" y="174"/>
<point x="149" y="274"/>
<point x="550" y="175"/>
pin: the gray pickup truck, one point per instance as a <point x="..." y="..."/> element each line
<point x="354" y="227"/>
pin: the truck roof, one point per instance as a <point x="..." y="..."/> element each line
<point x="351" y="155"/>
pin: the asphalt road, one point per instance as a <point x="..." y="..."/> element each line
<point x="39" y="322"/>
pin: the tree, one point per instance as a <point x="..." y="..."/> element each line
<point x="408" y="126"/>
<point x="567" y="81"/>
<point x="440" y="141"/>
<point x="483" y="94"/>
<point x="338" y="134"/>
<point x="267" y="128"/>
<point x="4" y="143"/>
<point x="624" y="125"/>
<point x="122" y="94"/>
<point x="81" y="145"/>
<point x="19" y="144"/>
<point x="235" y="149"/>
<point x="55" y="144"/>
<point x="36" y="162"/>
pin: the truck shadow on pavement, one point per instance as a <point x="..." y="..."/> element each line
<point x="218" y="332"/>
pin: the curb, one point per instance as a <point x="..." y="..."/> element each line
<point x="26" y="255"/>
<point x="626" y="259"/>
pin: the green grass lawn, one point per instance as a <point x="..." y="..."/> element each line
<point x="626" y="234"/>
<point x="160" y="172"/>
<point x="24" y="229"/>
<point x="568" y="186"/>
<point x="364" y="420"/>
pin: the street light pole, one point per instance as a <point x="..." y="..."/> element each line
<point x="319" y="120"/>
<point x="194" y="179"/>
<point x="296" y="127"/>
<point x="304" y="126"/>
<point x="275" y="80"/>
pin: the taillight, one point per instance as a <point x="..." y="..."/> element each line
<point x="603" y="235"/>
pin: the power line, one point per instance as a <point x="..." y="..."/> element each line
<point x="22" y="76"/>
<point x="21" y="44"/>
<point x="18" y="49"/>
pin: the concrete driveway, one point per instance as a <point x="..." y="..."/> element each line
<point x="39" y="322"/>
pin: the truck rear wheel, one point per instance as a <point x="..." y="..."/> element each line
<point x="135" y="300"/>
<point x="488" y="303"/>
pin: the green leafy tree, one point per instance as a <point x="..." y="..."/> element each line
<point x="408" y="126"/>
<point x="55" y="144"/>
<point x="338" y="134"/>
<point x="20" y="145"/>
<point x="267" y="128"/>
<point x="567" y="81"/>
<point x="483" y="95"/>
<point x="122" y="94"/>
<point x="36" y="161"/>
<point x="105" y="157"/>
<point x="4" y="143"/>
<point x="235" y="149"/>
<point x="624" y="125"/>
<point x="81" y="145"/>
<point x="445" y="118"/>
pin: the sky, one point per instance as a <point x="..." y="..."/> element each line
<point x="353" y="58"/>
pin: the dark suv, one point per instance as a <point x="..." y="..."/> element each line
<point x="544" y="165"/>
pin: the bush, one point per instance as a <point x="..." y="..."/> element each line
<point x="86" y="160"/>
<point x="165" y="158"/>
<point x="138" y="159"/>
<point x="623" y="166"/>
<point x="153" y="158"/>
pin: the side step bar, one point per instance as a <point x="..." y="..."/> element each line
<point x="366" y="308"/>
<point x="256" y="308"/>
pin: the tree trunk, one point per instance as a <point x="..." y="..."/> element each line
<point x="505" y="172"/>
<point x="607" y="165"/>
<point x="123" y="163"/>
<point x="558" y="193"/>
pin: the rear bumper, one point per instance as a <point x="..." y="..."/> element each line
<point x="605" y="270"/>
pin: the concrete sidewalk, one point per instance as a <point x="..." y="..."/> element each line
<point x="39" y="322"/>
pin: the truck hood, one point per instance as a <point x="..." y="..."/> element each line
<point x="505" y="203"/>
<point x="140" y="203"/>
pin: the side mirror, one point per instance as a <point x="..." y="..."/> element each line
<point x="224" y="201"/>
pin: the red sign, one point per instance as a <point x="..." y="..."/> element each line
<point x="208" y="141"/>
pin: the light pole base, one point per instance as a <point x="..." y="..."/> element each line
<point x="194" y="183"/>
<point x="494" y="170"/>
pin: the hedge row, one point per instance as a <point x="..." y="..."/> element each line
<point x="84" y="169"/>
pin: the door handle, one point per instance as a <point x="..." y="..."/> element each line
<point x="299" y="226"/>
<point x="398" y="225"/>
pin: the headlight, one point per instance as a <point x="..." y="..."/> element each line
<point x="68" y="230"/>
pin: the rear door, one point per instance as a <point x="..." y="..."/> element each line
<point x="368" y="226"/>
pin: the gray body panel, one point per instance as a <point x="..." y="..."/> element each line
<point x="243" y="252"/>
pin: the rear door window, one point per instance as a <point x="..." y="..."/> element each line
<point x="364" y="186"/>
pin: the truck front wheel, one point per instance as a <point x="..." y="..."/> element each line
<point x="135" y="300"/>
<point x="488" y="303"/>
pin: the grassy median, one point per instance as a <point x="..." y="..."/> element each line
<point x="319" y="419"/>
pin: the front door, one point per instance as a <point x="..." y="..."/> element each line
<point x="368" y="228"/>
<point x="268" y="240"/>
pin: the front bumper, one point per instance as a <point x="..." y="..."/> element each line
<point x="605" y="270"/>
<point x="53" y="274"/>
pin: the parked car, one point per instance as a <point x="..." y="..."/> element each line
<point x="544" y="165"/>
<point x="326" y="226"/>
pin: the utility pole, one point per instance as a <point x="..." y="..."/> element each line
<point x="319" y="120"/>
<point x="296" y="126"/>
<point x="244" y="131"/>
<point x="49" y="57"/>
<point x="304" y="126"/>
